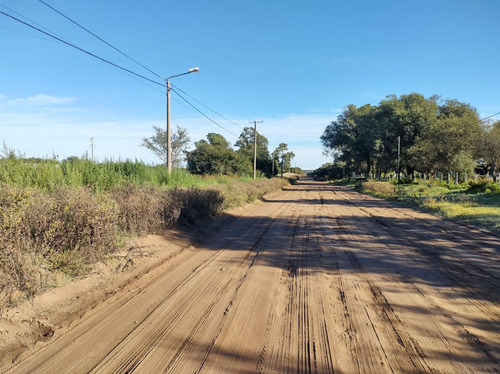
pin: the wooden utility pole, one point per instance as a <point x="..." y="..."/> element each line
<point x="399" y="152"/>
<point x="272" y="165"/>
<point x="255" y="147"/>
<point x="92" y="148"/>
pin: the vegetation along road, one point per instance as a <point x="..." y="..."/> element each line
<point x="315" y="279"/>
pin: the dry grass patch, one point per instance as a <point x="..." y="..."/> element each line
<point x="68" y="229"/>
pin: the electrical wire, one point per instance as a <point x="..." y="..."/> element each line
<point x="60" y="39"/>
<point x="30" y="35"/>
<point x="81" y="49"/>
<point x="124" y="54"/>
<point x="203" y="114"/>
<point x="206" y="106"/>
<point x="102" y="40"/>
<point x="493" y="115"/>
<point x="29" y="19"/>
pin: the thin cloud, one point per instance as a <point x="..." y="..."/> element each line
<point x="39" y="131"/>
<point x="36" y="100"/>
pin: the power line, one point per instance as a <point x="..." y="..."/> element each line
<point x="212" y="110"/>
<point x="203" y="114"/>
<point x="81" y="49"/>
<point x="27" y="34"/>
<point x="125" y="69"/>
<point x="102" y="40"/>
<point x="493" y="115"/>
<point x="29" y="19"/>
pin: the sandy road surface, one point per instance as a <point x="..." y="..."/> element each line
<point x="317" y="279"/>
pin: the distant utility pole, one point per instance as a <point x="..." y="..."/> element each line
<point x="399" y="152"/>
<point x="272" y="165"/>
<point x="255" y="147"/>
<point x="92" y="148"/>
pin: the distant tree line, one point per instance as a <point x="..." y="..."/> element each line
<point x="215" y="156"/>
<point x="434" y="136"/>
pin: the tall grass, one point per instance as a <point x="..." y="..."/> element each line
<point x="50" y="174"/>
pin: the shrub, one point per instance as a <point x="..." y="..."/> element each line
<point x="386" y="189"/>
<point x="141" y="208"/>
<point x="483" y="186"/>
<point x="69" y="228"/>
<point x="41" y="232"/>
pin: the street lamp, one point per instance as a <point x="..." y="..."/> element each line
<point x="169" y="138"/>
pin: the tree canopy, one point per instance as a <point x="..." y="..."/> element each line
<point x="215" y="156"/>
<point x="434" y="134"/>
<point x="245" y="145"/>
<point x="158" y="144"/>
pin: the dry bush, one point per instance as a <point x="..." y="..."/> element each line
<point x="239" y="193"/>
<point x="140" y="209"/>
<point x="197" y="204"/>
<point x="233" y="193"/>
<point x="151" y="210"/>
<point x="41" y="232"/>
<point x="70" y="228"/>
<point x="384" y="188"/>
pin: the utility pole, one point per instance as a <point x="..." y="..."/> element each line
<point x="272" y="165"/>
<point x="255" y="147"/>
<point x="92" y="148"/>
<point x="169" y="139"/>
<point x="399" y="153"/>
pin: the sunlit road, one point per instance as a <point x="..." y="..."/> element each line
<point x="316" y="279"/>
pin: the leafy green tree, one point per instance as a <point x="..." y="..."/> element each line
<point x="354" y="137"/>
<point x="487" y="148"/>
<point x="158" y="144"/>
<point x="448" y="143"/>
<point x="406" y="117"/>
<point x="215" y="156"/>
<point x="434" y="135"/>
<point x="245" y="145"/>
<point x="287" y="164"/>
<point x="286" y="156"/>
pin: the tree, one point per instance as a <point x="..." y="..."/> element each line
<point x="286" y="156"/>
<point x="448" y="143"/>
<point x="215" y="156"/>
<point x="287" y="164"/>
<point x="487" y="148"/>
<point x="354" y="137"/>
<point x="158" y="144"/>
<point x="245" y="145"/>
<point x="406" y="117"/>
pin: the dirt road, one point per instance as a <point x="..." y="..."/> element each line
<point x="316" y="279"/>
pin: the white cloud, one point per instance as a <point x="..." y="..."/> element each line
<point x="36" y="100"/>
<point x="66" y="131"/>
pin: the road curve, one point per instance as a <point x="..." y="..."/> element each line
<point x="315" y="279"/>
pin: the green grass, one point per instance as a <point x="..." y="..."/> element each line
<point x="481" y="210"/>
<point x="453" y="202"/>
<point x="49" y="174"/>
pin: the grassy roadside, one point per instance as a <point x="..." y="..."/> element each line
<point x="475" y="203"/>
<point x="53" y="231"/>
<point x="50" y="174"/>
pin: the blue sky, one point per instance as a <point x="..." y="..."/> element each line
<point x="293" y="64"/>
